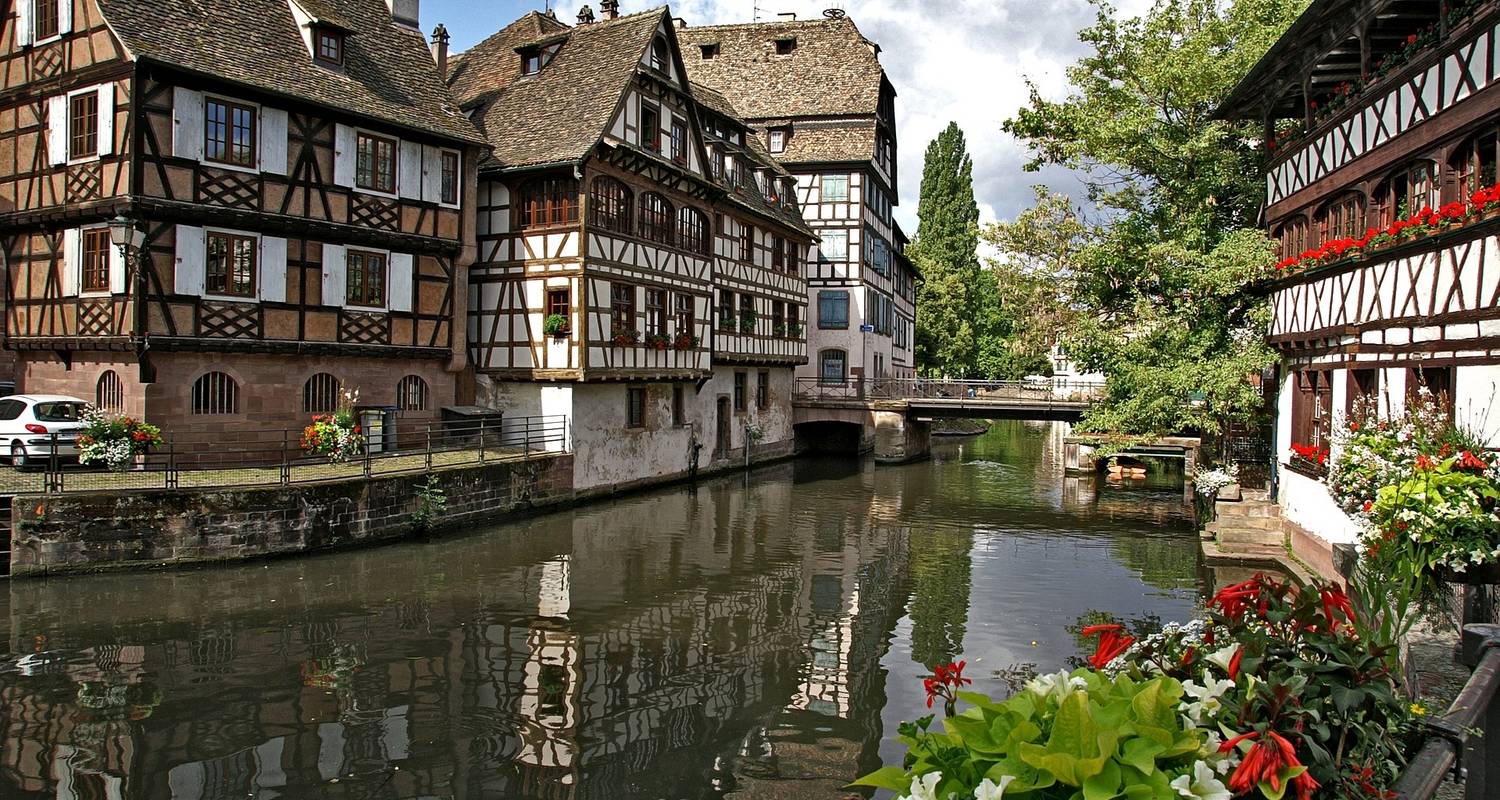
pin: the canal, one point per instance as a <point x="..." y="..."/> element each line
<point x="758" y="636"/>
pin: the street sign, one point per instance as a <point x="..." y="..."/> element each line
<point x="867" y="329"/>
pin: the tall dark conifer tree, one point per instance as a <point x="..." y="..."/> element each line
<point x="950" y="297"/>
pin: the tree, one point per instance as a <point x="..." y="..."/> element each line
<point x="945" y="251"/>
<point x="1161" y="286"/>
<point x="1032" y="274"/>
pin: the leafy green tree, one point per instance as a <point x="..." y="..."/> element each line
<point x="1161" y="285"/>
<point x="946" y="252"/>
<point x="1031" y="276"/>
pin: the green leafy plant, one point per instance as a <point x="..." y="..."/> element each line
<point x="747" y="321"/>
<point x="555" y="325"/>
<point x="431" y="502"/>
<point x="1062" y="735"/>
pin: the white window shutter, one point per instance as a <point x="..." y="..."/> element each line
<point x="107" y="119"/>
<point x="117" y="269"/>
<point x="409" y="170"/>
<point x="273" y="269"/>
<point x="64" y="15"/>
<point x="343" y="155"/>
<point x="72" y="244"/>
<point x="432" y="174"/>
<point x="23" y="23"/>
<point x="191" y="254"/>
<point x="335" y="285"/>
<point x="187" y="124"/>
<point x="400" y="282"/>
<point x="273" y="141"/>
<point x="57" y="128"/>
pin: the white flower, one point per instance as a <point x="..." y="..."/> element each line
<point x="924" y="787"/>
<point x="989" y="790"/>
<point x="1058" y="683"/>
<point x="1222" y="656"/>
<point x="1207" y="702"/>
<point x="1201" y="785"/>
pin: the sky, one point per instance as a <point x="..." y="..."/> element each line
<point x="950" y="60"/>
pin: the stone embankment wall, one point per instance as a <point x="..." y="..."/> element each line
<point x="141" y="529"/>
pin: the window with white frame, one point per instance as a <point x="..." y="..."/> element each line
<point x="835" y="246"/>
<point x="835" y="188"/>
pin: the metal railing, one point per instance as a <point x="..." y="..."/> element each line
<point x="206" y="458"/>
<point x="1465" y="742"/>
<point x="1051" y="390"/>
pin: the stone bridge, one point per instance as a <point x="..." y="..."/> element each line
<point x="894" y="417"/>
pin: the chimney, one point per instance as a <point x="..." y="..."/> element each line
<point x="405" y="12"/>
<point x="610" y="9"/>
<point x="585" y="15"/>
<point x="440" y="49"/>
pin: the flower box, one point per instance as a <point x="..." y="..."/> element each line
<point x="1307" y="467"/>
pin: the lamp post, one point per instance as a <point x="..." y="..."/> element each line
<point x="124" y="234"/>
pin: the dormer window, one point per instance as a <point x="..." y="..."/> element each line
<point x="778" y="140"/>
<point x="659" y="55"/>
<point x="785" y="45"/>
<point x="328" y="46"/>
<point x="709" y="51"/>
<point x="531" y="61"/>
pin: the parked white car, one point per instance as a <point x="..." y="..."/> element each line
<point x="28" y="422"/>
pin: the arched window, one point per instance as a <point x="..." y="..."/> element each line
<point x="1343" y="217"/>
<point x="411" y="394"/>
<point x="609" y="205"/>
<point x="656" y="218"/>
<point x="320" y="395"/>
<point x="692" y="231"/>
<point x="216" y="393"/>
<point x="1293" y="236"/>
<point x="833" y="366"/>
<point x="1474" y="162"/>
<point x="1407" y="191"/>
<point x="549" y="201"/>
<point x="109" y="393"/>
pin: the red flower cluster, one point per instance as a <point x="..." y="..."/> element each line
<point x="1313" y="453"/>
<point x="1422" y="221"/>
<point x="1267" y="759"/>
<point x="1235" y="601"/>
<point x="1112" y="643"/>
<point x="1468" y="462"/>
<point x="945" y="681"/>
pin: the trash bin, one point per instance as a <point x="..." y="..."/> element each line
<point x="378" y="423"/>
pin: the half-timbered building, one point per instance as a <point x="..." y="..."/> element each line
<point x="289" y="179"/>
<point x="1382" y="119"/>
<point x="816" y="95"/>
<point x="611" y="233"/>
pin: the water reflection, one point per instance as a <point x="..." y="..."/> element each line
<point x="737" y="640"/>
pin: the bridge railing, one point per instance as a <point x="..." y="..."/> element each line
<point x="861" y="389"/>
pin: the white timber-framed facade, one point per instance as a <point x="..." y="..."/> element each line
<point x="1376" y="110"/>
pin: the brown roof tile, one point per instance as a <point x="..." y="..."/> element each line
<point x="832" y="72"/>
<point x="559" y="114"/>
<point x="388" y="75"/>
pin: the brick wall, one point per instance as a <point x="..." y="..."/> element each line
<point x="141" y="529"/>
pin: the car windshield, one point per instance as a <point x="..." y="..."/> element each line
<point x="59" y="412"/>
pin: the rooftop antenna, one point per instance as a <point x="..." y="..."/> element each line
<point x="756" y="9"/>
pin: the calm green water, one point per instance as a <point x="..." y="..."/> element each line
<point x="758" y="636"/>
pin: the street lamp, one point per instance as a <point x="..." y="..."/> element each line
<point x="124" y="234"/>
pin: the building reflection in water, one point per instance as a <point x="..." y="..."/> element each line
<point x="678" y="644"/>
<point x="727" y="641"/>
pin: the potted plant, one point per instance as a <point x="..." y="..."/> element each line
<point x="337" y="436"/>
<point x="778" y="329"/>
<point x="114" y="439"/>
<point x="624" y="337"/>
<point x="685" y="341"/>
<point x="1309" y="460"/>
<point x="747" y="321"/>
<point x="555" y="325"/>
<point x="658" y="341"/>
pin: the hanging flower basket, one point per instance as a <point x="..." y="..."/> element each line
<point x="1477" y="575"/>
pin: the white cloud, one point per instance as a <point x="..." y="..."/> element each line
<point x="960" y="60"/>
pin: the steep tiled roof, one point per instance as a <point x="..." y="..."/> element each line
<point x="819" y="142"/>
<point x="833" y="71"/>
<point x="560" y="113"/>
<point x="388" y="75"/>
